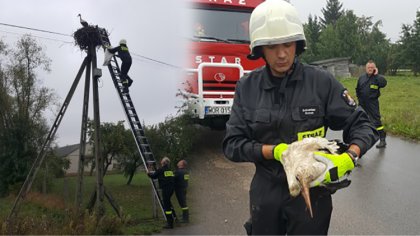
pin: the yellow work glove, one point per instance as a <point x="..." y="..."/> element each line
<point x="278" y="151"/>
<point x="337" y="171"/>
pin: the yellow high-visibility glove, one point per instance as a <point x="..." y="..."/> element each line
<point x="278" y="151"/>
<point x="337" y="171"/>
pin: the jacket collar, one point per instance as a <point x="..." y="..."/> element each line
<point x="268" y="80"/>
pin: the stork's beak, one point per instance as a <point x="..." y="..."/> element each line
<point x="305" y="194"/>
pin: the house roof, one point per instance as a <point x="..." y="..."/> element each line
<point x="66" y="150"/>
<point x="331" y="60"/>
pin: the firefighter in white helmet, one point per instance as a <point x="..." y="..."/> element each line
<point x="282" y="102"/>
<point x="124" y="55"/>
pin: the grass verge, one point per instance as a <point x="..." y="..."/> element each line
<point x="399" y="105"/>
<point x="53" y="213"/>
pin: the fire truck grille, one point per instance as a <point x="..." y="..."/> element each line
<point x="218" y="86"/>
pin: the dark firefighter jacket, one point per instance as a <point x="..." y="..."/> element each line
<point x="269" y="110"/>
<point x="123" y="52"/>
<point x="368" y="88"/>
<point x="181" y="178"/>
<point x="165" y="177"/>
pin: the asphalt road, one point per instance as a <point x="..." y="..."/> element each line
<point x="383" y="198"/>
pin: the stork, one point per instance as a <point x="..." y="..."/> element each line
<point x="83" y="22"/>
<point x="302" y="168"/>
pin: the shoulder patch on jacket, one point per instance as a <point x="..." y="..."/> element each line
<point x="347" y="98"/>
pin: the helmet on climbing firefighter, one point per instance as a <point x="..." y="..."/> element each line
<point x="275" y="22"/>
<point x="123" y="41"/>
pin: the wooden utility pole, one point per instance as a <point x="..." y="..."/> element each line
<point x="90" y="64"/>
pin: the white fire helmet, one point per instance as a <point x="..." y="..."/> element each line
<point x="123" y="41"/>
<point x="275" y="22"/>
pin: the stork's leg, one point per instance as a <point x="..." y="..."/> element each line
<point x="306" y="196"/>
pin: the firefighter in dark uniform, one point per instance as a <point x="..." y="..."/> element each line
<point x="166" y="181"/>
<point x="181" y="184"/>
<point x="368" y="92"/>
<point x="282" y="102"/>
<point x="124" y="55"/>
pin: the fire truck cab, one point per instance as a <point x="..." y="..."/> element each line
<point x="217" y="58"/>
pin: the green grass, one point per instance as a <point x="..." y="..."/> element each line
<point x="54" y="210"/>
<point x="399" y="105"/>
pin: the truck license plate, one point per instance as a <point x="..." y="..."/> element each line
<point x="217" y="110"/>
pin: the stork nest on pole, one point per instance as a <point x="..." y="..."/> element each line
<point x="87" y="36"/>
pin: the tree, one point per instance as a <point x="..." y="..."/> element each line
<point x="399" y="53"/>
<point x="378" y="48"/>
<point x="410" y="44"/>
<point x="340" y="40"/>
<point x="312" y="33"/>
<point x="355" y="37"/>
<point x="23" y="101"/>
<point x="416" y="39"/>
<point x="332" y="12"/>
<point x="395" y="59"/>
<point x="113" y="141"/>
<point x="173" y="138"/>
<point x="130" y="160"/>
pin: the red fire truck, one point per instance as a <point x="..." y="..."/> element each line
<point x="218" y="57"/>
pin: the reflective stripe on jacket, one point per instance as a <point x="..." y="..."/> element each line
<point x="123" y="53"/>
<point x="369" y="87"/>
<point x="165" y="177"/>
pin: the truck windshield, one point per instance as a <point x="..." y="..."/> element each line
<point x="220" y="25"/>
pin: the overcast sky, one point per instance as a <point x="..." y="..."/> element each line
<point x="153" y="29"/>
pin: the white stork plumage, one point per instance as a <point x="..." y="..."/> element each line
<point x="83" y="22"/>
<point x="302" y="168"/>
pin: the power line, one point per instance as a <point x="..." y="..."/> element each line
<point x="51" y="32"/>
<point x="52" y="39"/>
<point x="45" y="31"/>
<point x="160" y="62"/>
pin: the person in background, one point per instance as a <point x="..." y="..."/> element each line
<point x="181" y="184"/>
<point x="368" y="92"/>
<point x="166" y="179"/>
<point x="124" y="55"/>
<point x="280" y="103"/>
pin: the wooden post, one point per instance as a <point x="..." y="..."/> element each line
<point x="82" y="149"/>
<point x="100" y="209"/>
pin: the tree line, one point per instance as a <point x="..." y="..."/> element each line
<point x="173" y="138"/>
<point x="23" y="100"/>
<point x="341" y="33"/>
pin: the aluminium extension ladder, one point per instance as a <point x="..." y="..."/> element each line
<point x="142" y="143"/>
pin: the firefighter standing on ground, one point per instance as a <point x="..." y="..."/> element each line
<point x="368" y="92"/>
<point x="181" y="184"/>
<point x="280" y="103"/>
<point x="124" y="55"/>
<point x="166" y="181"/>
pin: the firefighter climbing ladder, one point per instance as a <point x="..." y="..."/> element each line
<point x="143" y="145"/>
<point x="90" y="64"/>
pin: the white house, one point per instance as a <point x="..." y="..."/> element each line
<point x="71" y="152"/>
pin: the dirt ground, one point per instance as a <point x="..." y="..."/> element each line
<point x="218" y="193"/>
